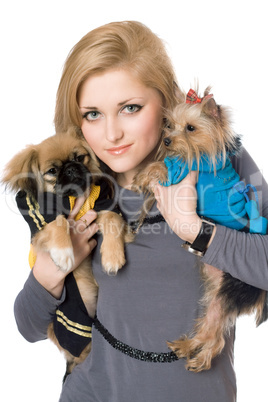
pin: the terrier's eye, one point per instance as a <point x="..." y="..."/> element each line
<point x="189" y="127"/>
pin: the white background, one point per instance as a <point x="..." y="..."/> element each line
<point x="222" y="43"/>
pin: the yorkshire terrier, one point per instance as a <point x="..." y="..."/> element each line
<point x="49" y="177"/>
<point x="200" y="138"/>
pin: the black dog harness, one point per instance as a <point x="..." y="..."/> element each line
<point x="72" y="324"/>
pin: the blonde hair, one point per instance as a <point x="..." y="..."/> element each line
<point x="129" y="45"/>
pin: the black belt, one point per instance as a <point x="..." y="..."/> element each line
<point x="132" y="352"/>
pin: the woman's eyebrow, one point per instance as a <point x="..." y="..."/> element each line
<point x="88" y="107"/>
<point x="119" y="104"/>
<point x="128" y="100"/>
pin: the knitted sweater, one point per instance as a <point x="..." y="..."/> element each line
<point x="222" y="196"/>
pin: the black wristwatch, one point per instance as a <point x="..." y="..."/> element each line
<point x="200" y="244"/>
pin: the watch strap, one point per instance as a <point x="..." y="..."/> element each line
<point x="200" y="244"/>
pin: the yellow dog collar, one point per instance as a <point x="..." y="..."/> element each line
<point x="88" y="204"/>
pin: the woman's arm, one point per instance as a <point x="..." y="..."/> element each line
<point x="244" y="256"/>
<point x="44" y="290"/>
<point x="34" y="309"/>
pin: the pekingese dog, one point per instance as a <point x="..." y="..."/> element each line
<point x="64" y="166"/>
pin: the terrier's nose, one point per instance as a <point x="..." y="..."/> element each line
<point x="167" y="141"/>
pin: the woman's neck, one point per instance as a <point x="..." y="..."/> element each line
<point x="125" y="180"/>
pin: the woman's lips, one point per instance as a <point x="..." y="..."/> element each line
<point x="119" y="150"/>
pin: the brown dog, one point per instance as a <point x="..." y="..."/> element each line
<point x="64" y="164"/>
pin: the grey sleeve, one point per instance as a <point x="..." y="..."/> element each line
<point x="243" y="255"/>
<point x="34" y="309"/>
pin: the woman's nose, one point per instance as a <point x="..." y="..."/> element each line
<point x="114" y="131"/>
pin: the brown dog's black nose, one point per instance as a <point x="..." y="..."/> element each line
<point x="73" y="178"/>
<point x="167" y="141"/>
<point x="72" y="172"/>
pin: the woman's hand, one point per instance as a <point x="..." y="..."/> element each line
<point x="81" y="232"/>
<point x="177" y="204"/>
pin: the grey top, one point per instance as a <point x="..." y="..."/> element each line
<point x="152" y="299"/>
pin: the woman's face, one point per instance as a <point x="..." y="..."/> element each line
<point x="122" y="121"/>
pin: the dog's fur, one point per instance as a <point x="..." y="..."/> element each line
<point x="45" y="168"/>
<point x="196" y="129"/>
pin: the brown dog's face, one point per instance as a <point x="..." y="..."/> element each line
<point x="61" y="164"/>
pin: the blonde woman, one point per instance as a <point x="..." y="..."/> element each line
<point x="117" y="88"/>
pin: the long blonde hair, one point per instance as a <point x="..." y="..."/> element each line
<point x="128" y="44"/>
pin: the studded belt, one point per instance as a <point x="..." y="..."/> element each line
<point x="132" y="352"/>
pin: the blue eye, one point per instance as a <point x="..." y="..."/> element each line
<point x="90" y="116"/>
<point x="131" y="108"/>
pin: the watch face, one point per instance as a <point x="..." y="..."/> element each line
<point x="187" y="247"/>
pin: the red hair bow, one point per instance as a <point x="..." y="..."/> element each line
<point x="193" y="98"/>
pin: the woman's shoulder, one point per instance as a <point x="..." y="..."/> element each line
<point x="243" y="163"/>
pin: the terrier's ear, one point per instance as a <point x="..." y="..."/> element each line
<point x="211" y="108"/>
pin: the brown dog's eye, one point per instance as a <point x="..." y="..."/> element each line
<point x="189" y="127"/>
<point x="80" y="158"/>
<point x="52" y="171"/>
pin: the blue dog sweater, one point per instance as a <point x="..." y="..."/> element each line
<point x="222" y="197"/>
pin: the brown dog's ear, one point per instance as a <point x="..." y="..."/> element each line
<point x="74" y="132"/>
<point x="20" y="172"/>
<point x="211" y="108"/>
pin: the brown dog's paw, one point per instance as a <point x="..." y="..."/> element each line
<point x="113" y="254"/>
<point x="63" y="258"/>
<point x="112" y="259"/>
<point x="115" y="233"/>
<point x="55" y="239"/>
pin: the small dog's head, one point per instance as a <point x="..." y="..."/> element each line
<point x="200" y="127"/>
<point x="62" y="164"/>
